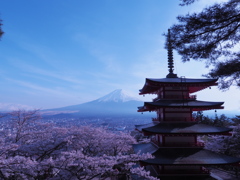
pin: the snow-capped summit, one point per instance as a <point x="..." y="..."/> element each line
<point x="117" y="102"/>
<point x="117" y="96"/>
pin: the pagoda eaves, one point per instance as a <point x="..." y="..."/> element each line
<point x="193" y="104"/>
<point x="182" y="128"/>
<point x="194" y="85"/>
<point x="189" y="156"/>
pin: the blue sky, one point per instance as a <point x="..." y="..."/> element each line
<point x="56" y="53"/>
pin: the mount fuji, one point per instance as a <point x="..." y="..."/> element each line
<point x="117" y="102"/>
<point x="118" y="95"/>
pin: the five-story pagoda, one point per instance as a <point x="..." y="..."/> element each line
<point x="174" y="143"/>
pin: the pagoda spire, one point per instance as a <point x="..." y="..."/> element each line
<point x="170" y="57"/>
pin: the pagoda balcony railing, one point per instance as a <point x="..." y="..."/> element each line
<point x="178" y="144"/>
<point x="191" y="97"/>
<point x="175" y="119"/>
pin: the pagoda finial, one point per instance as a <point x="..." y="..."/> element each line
<point x="170" y="57"/>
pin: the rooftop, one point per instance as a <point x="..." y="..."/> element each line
<point x="152" y="84"/>
<point x="187" y="156"/>
<point x="194" y="104"/>
<point x="181" y="128"/>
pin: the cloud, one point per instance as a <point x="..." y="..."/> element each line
<point x="101" y="50"/>
<point x="40" y="89"/>
<point x="109" y="61"/>
<point x="48" y="74"/>
<point x="14" y="107"/>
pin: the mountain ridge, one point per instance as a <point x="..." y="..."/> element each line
<point x="117" y="102"/>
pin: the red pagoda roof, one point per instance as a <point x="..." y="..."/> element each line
<point x="152" y="85"/>
<point x="185" y="156"/>
<point x="194" y="104"/>
<point x="181" y="128"/>
<point x="190" y="156"/>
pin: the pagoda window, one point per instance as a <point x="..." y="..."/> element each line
<point x="187" y="110"/>
<point x="176" y="95"/>
<point x="178" y="116"/>
<point x="180" y="141"/>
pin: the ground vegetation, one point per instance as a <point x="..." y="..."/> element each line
<point x="32" y="150"/>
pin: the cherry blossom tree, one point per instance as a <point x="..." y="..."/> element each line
<point x="30" y="149"/>
<point x="229" y="145"/>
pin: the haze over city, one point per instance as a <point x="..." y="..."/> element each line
<point x="58" y="53"/>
